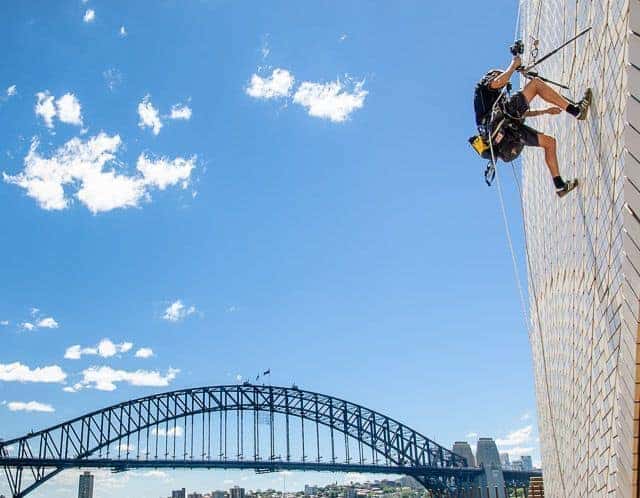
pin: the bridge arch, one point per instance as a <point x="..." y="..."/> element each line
<point x="207" y="427"/>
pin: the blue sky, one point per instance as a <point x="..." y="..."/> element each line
<point x="219" y="187"/>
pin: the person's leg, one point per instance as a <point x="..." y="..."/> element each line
<point x="538" y="87"/>
<point x="550" y="157"/>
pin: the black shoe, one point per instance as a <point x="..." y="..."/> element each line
<point x="584" y="105"/>
<point x="568" y="187"/>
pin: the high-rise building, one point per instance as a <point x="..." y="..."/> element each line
<point x="310" y="490"/>
<point x="218" y="494"/>
<point x="584" y="250"/>
<point x="487" y="456"/>
<point x="463" y="449"/>
<point x="350" y="492"/>
<point x="179" y="493"/>
<point x="236" y="492"/>
<point x="85" y="485"/>
<point x="194" y="495"/>
<point x="527" y="463"/>
<point x="504" y="461"/>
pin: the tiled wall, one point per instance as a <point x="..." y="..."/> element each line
<point x="584" y="251"/>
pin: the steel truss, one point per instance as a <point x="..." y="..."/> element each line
<point x="265" y="428"/>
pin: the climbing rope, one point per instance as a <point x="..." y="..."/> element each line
<point x="531" y="280"/>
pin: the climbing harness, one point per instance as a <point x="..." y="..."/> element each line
<point x="503" y="129"/>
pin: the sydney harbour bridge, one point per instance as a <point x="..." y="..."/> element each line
<point x="259" y="427"/>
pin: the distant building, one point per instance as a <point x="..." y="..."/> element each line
<point x="236" y="492"/>
<point x="504" y="461"/>
<point x="527" y="463"/>
<point x="310" y="490"/>
<point x="180" y="493"/>
<point x="517" y="465"/>
<point x="194" y="495"/>
<point x="218" y="494"/>
<point x="463" y="449"/>
<point x="350" y="493"/>
<point x="85" y="485"/>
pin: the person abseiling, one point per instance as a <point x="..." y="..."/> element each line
<point x="512" y="111"/>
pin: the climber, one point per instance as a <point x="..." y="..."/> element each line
<point x="515" y="109"/>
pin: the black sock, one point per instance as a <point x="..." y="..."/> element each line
<point x="573" y="109"/>
<point x="559" y="182"/>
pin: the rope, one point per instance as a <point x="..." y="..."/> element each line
<point x="531" y="280"/>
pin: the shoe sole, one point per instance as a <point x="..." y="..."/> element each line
<point x="587" y="97"/>
<point x="562" y="193"/>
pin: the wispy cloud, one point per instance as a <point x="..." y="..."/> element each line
<point x="113" y="78"/>
<point x="66" y="108"/>
<point x="81" y="165"/>
<point x="277" y="85"/>
<point x="105" y="348"/>
<point x="122" y="32"/>
<point x="144" y="353"/>
<point x="517" y="437"/>
<point x="176" y="431"/>
<point x="12" y="91"/>
<point x="89" y="16"/>
<point x="149" y="115"/>
<point x="29" y="406"/>
<point x="177" y="311"/>
<point x="333" y="101"/>
<point x="180" y="111"/>
<point x="40" y="323"/>
<point x="17" y="372"/>
<point x="106" y="378"/>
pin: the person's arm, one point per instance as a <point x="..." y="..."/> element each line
<point x="503" y="78"/>
<point x="540" y="112"/>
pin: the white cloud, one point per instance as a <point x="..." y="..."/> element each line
<point x="69" y="109"/>
<point x="122" y="32"/>
<point x="472" y="435"/>
<point x="12" y="90"/>
<point x="28" y="326"/>
<point x="144" y="353"/>
<point x="81" y="165"/>
<point x="112" y="77"/>
<point x="17" y="372"/>
<point x="4" y="323"/>
<point x="105" y="348"/>
<point x="149" y="115"/>
<point x="47" y="323"/>
<point x="124" y="447"/>
<point x="279" y="84"/>
<point x="45" y="108"/>
<point x="525" y="416"/>
<point x="172" y="431"/>
<point x="163" y="173"/>
<point x="89" y="15"/>
<point x="180" y="111"/>
<point x="517" y="437"/>
<point x="69" y="389"/>
<point x="330" y="100"/>
<point x="343" y="37"/>
<point x="30" y="406"/>
<point x="177" y="311"/>
<point x="106" y="378"/>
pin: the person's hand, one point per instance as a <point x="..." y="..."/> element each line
<point x="516" y="62"/>
<point x="554" y="110"/>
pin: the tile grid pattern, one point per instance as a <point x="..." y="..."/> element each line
<point x="582" y="253"/>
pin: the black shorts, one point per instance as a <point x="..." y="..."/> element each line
<point x="529" y="135"/>
<point x="517" y="105"/>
